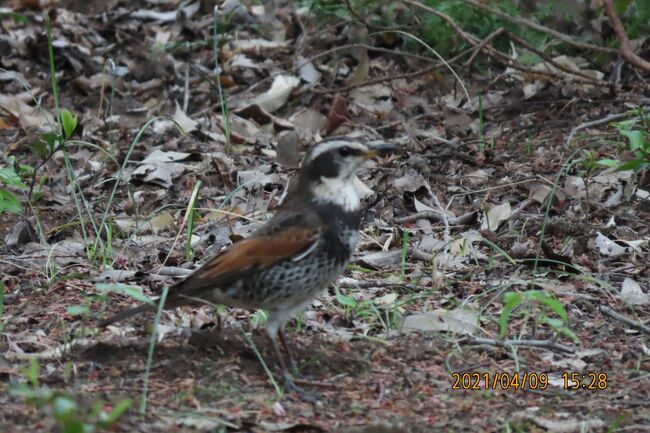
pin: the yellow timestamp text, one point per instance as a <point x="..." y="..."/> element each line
<point x="589" y="381"/>
<point x="499" y="380"/>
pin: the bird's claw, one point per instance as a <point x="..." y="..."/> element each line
<point x="292" y="388"/>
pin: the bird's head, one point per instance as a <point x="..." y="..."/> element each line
<point x="329" y="170"/>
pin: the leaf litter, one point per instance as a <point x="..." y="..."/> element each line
<point x="445" y="217"/>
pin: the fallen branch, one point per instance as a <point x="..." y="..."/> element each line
<point x="542" y="344"/>
<point x="503" y="58"/>
<point x="557" y="65"/>
<point x="626" y="47"/>
<point x="621" y="318"/>
<point x="540" y="28"/>
<point x="60" y="351"/>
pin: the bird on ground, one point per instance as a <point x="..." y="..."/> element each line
<point x="283" y="266"/>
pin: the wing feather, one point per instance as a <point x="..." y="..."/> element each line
<point x="288" y="236"/>
<point x="246" y="256"/>
<point x="260" y="252"/>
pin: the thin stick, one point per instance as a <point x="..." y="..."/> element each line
<point x="542" y="344"/>
<point x="493" y="188"/>
<point x="373" y="240"/>
<point x="250" y="342"/>
<point x="601" y="121"/>
<point x="438" y="216"/>
<point x="186" y="94"/>
<point x="152" y="345"/>
<point x="621" y="318"/>
<point x="393" y="77"/>
<point x="561" y="67"/>
<point x="375" y="81"/>
<point x="483" y="43"/>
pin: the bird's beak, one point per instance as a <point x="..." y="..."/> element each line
<point x="380" y="149"/>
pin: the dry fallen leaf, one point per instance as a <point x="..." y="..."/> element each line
<point x="495" y="216"/>
<point x="278" y="94"/>
<point x="631" y="293"/>
<point x="608" y="247"/>
<point x="458" y="321"/>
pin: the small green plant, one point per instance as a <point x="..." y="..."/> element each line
<point x="8" y="201"/>
<point x="18" y="18"/>
<point x="52" y="142"/>
<point x="108" y="246"/>
<point x="384" y="317"/>
<point x="189" y="254"/>
<point x="637" y="133"/>
<point x="405" y="245"/>
<point x="68" y="414"/>
<point x="348" y="302"/>
<point x="529" y="299"/>
<point x="588" y="163"/>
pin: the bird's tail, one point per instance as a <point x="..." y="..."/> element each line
<point x="126" y="314"/>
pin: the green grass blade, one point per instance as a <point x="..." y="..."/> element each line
<point x="152" y="345"/>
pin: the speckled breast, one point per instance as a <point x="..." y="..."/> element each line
<point x="296" y="281"/>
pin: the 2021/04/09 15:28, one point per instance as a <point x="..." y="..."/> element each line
<point x="499" y="380"/>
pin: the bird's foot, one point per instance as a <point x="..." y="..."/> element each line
<point x="292" y="388"/>
<point x="295" y="372"/>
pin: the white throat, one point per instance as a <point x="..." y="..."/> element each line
<point x="341" y="192"/>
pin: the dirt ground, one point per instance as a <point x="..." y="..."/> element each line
<point x="380" y="349"/>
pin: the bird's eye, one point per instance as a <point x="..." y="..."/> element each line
<point x="345" y="151"/>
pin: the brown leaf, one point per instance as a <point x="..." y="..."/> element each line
<point x="338" y="114"/>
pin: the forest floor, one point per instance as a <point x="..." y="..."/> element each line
<point x="404" y="341"/>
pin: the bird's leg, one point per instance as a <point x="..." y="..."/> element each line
<point x="285" y="346"/>
<point x="279" y="357"/>
<point x="286" y="376"/>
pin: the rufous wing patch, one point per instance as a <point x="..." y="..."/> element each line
<point x="259" y="252"/>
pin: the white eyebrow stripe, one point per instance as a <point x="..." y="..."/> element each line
<point x="325" y="146"/>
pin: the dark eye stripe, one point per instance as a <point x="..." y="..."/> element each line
<point x="350" y="151"/>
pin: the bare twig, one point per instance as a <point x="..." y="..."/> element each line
<point x="602" y="121"/>
<point x="483" y="43"/>
<point x="420" y="255"/>
<point x="392" y="77"/>
<point x="522" y="206"/>
<point x="576" y="295"/>
<point x="549" y="344"/>
<point x="607" y="311"/>
<point x="503" y="58"/>
<point x="557" y="65"/>
<point x="354" y="13"/>
<point x="438" y="216"/>
<point x="540" y="28"/>
<point x="173" y="271"/>
<point x="626" y="48"/>
<point x="186" y="93"/>
<point x="374" y="81"/>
